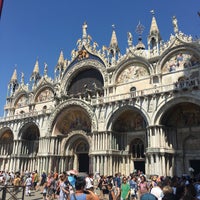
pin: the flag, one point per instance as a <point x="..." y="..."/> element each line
<point x="1" y="6"/>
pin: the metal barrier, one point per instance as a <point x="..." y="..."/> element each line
<point x="10" y="192"/>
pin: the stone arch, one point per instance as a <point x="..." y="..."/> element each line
<point x="81" y="66"/>
<point x="131" y="70"/>
<point x="67" y="144"/>
<point x="21" y="100"/>
<point x="173" y="52"/>
<point x="88" y="83"/>
<point x="29" y="135"/>
<point x="118" y="111"/>
<point x="76" y="147"/>
<point x="44" y="93"/>
<point x="75" y="103"/>
<point x="6" y="141"/>
<point x="70" y="119"/>
<point x="6" y="133"/>
<point x="29" y="131"/>
<point x="165" y="106"/>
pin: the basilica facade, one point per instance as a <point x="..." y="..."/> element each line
<point x="109" y="112"/>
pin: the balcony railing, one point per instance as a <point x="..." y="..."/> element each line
<point x="26" y="115"/>
<point x="175" y="87"/>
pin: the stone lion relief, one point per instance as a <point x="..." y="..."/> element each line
<point x="132" y="73"/>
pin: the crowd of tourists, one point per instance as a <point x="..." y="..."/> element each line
<point x="71" y="185"/>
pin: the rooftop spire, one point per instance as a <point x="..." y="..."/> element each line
<point x="154" y="37"/>
<point x="154" y="27"/>
<point x="113" y="41"/>
<point x="36" y="67"/>
<point x="61" y="59"/>
<point x="13" y="85"/>
<point x="14" y="77"/>
<point x="35" y="75"/>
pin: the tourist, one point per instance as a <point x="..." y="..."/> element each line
<point x="105" y="187"/>
<point x="168" y="193"/>
<point x="44" y="191"/>
<point x="62" y="189"/>
<point x="111" y="195"/>
<point x="134" y="187"/>
<point x="35" y="179"/>
<point x="89" y="182"/>
<point x="50" y="186"/>
<point x="197" y="187"/>
<point x="117" y="190"/>
<point x="190" y="192"/>
<point x="17" y="182"/>
<point x="125" y="189"/>
<point x="157" y="191"/>
<point x="80" y="193"/>
<point x="143" y="186"/>
<point x="28" y="184"/>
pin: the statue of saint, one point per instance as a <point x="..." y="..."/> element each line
<point x="130" y="39"/>
<point x="84" y="27"/>
<point x="22" y="78"/>
<point x="175" y="24"/>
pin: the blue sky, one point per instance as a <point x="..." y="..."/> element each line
<point x="31" y="29"/>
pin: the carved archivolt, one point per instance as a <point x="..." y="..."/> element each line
<point x="132" y="73"/>
<point x="178" y="58"/>
<point x="44" y="95"/>
<point x="169" y="103"/>
<point x="21" y="101"/>
<point x="68" y="143"/>
<point x="80" y="66"/>
<point x="180" y="61"/>
<point x="140" y="114"/>
<point x="65" y="105"/>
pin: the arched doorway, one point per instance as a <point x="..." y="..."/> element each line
<point x="183" y="123"/>
<point x="29" y="146"/>
<point x="77" y="152"/>
<point x="6" y="147"/>
<point x="128" y="125"/>
<point x="191" y="154"/>
<point x="137" y="153"/>
<point x="82" y="151"/>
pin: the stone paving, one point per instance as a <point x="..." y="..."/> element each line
<point x="34" y="195"/>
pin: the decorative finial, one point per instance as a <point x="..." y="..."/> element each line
<point x="113" y="26"/>
<point x="152" y="12"/>
<point x="139" y="29"/>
